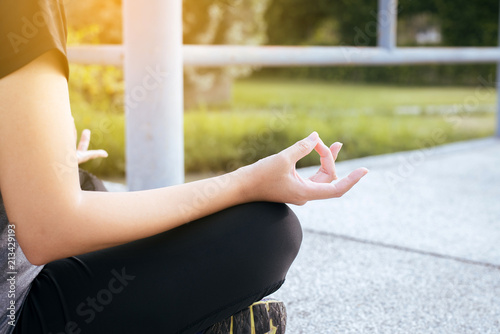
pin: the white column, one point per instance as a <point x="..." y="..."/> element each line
<point x="497" y="132"/>
<point x="153" y="93"/>
<point x="387" y="23"/>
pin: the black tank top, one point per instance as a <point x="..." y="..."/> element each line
<point x="29" y="28"/>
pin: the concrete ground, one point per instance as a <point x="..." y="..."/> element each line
<point x="413" y="248"/>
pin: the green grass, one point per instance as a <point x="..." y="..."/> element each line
<point x="321" y="95"/>
<point x="266" y="116"/>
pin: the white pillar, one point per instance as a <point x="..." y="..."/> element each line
<point x="387" y="23"/>
<point x="497" y="132"/>
<point x="153" y="93"/>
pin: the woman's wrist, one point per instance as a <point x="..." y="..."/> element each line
<point x="244" y="180"/>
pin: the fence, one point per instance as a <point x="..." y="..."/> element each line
<point x="153" y="58"/>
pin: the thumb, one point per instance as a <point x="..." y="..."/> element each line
<point x="303" y="147"/>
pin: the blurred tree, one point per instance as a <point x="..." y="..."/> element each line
<point x="463" y="22"/>
<point x="302" y="22"/>
<point x="469" y="23"/>
<point x="105" y="15"/>
<point x="353" y="22"/>
<point x="204" y="22"/>
<point x="290" y="22"/>
<point x="236" y="22"/>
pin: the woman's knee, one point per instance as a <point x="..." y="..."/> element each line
<point x="283" y="225"/>
<point x="277" y="236"/>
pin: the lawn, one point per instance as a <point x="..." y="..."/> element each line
<point x="266" y="116"/>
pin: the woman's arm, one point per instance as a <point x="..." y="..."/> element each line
<point x="55" y="219"/>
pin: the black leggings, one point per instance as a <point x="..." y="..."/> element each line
<point x="179" y="281"/>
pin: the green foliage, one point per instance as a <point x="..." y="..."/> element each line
<point x="204" y="22"/>
<point x="106" y="15"/>
<point x="463" y="23"/>
<point x="274" y="114"/>
<point x="267" y="116"/>
<point x="101" y="86"/>
<point x="469" y="23"/>
<point x="227" y="22"/>
<point x="108" y="132"/>
<point x="353" y="22"/>
<point x="96" y="94"/>
<point x="224" y="21"/>
<point x="416" y="75"/>
<point x="290" y="22"/>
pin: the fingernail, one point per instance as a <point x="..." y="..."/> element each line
<point x="336" y="143"/>
<point x="312" y="136"/>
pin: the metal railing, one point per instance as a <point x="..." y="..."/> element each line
<point x="153" y="58"/>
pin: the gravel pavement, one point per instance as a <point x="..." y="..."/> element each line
<point x="413" y="248"/>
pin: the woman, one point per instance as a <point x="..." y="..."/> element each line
<point x="138" y="262"/>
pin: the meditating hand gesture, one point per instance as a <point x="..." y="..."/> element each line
<point x="275" y="178"/>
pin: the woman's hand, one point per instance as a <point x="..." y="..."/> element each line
<point x="275" y="178"/>
<point x="82" y="152"/>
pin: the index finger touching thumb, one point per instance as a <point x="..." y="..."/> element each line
<point x="303" y="147"/>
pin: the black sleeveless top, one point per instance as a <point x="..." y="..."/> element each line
<point x="29" y="28"/>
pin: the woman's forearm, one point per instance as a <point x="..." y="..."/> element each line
<point x="107" y="219"/>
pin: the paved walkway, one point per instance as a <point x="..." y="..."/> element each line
<point x="413" y="248"/>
